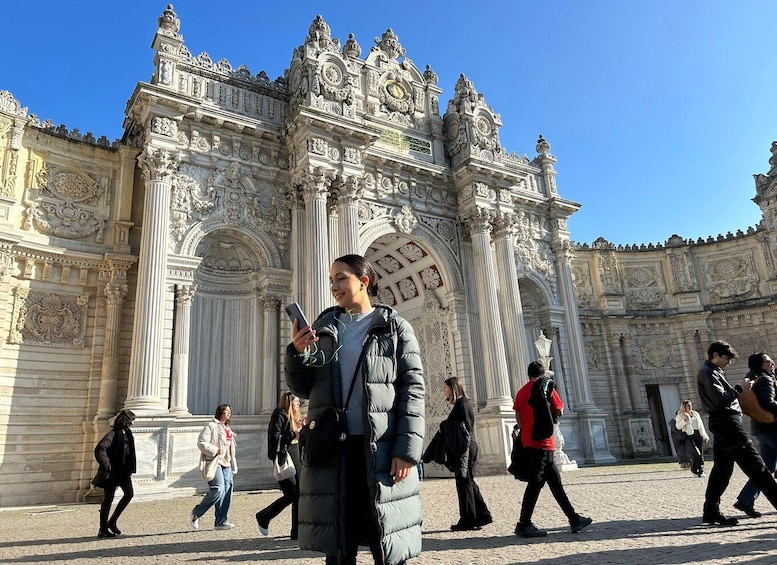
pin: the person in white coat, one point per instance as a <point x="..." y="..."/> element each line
<point x="217" y="440"/>
<point x="690" y="423"/>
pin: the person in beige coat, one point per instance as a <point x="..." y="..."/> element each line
<point x="689" y="421"/>
<point x="217" y="440"/>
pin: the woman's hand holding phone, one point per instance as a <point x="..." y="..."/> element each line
<point x="302" y="337"/>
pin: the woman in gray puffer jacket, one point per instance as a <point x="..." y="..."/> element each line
<point x="371" y="491"/>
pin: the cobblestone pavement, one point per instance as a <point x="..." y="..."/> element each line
<point x="646" y="514"/>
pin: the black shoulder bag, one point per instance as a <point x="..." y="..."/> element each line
<point x="322" y="439"/>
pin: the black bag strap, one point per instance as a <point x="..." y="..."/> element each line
<point x="355" y="374"/>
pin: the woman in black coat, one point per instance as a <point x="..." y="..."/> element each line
<point x="282" y="440"/>
<point x="116" y="455"/>
<point x="459" y="431"/>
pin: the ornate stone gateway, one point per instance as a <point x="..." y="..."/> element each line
<point x="151" y="273"/>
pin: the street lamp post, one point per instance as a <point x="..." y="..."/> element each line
<point x="563" y="462"/>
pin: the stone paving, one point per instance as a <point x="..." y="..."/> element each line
<point x="646" y="514"/>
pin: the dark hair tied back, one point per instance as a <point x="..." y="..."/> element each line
<point x="360" y="267"/>
<point x="124" y="419"/>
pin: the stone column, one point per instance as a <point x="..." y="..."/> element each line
<point x="348" y="212"/>
<point x="270" y="355"/>
<point x="7" y="271"/>
<point x="114" y="299"/>
<point x="492" y="342"/>
<point x="334" y="231"/>
<point x="145" y="376"/>
<point x="576" y="349"/>
<point x="622" y="383"/>
<point x="510" y="298"/>
<point x="631" y="373"/>
<point x="316" y="248"/>
<point x="179" y="385"/>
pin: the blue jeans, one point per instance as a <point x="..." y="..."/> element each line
<point x="220" y="494"/>
<point x="768" y="448"/>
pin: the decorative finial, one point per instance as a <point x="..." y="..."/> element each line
<point x="389" y="44"/>
<point x="169" y="20"/>
<point x="542" y="146"/>
<point x="351" y="48"/>
<point x="430" y="75"/>
<point x="319" y="29"/>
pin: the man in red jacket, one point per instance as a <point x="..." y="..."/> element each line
<point x="536" y="406"/>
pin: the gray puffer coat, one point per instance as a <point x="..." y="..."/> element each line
<point x="394" y="415"/>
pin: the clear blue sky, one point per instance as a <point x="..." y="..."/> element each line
<point x="659" y="112"/>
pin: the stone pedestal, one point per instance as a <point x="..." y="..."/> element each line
<point x="495" y="442"/>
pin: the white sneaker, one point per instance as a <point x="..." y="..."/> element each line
<point x="194" y="521"/>
<point x="225" y="526"/>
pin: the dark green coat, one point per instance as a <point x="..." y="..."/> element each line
<point x="394" y="413"/>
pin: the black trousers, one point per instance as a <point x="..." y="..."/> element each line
<point x="125" y="484"/>
<point x="549" y="474"/>
<point x="472" y="507"/>
<point x="695" y="445"/>
<point x="751" y="464"/>
<point x="360" y="518"/>
<point x="290" y="490"/>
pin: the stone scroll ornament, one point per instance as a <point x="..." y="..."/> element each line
<point x="48" y="318"/>
<point x="66" y="203"/>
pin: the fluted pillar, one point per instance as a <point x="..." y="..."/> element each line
<point x="316" y="253"/>
<point x="631" y="373"/>
<point x="109" y="376"/>
<point x="510" y="298"/>
<point x="575" y="347"/>
<point x="179" y="386"/>
<point x="270" y="355"/>
<point x="492" y="342"/>
<point x="145" y="373"/>
<point x="621" y="382"/>
<point x="348" y="213"/>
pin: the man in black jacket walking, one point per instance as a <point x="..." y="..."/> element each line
<point x="732" y="445"/>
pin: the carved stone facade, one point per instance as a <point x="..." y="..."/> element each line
<point x="150" y="273"/>
<point x="649" y="312"/>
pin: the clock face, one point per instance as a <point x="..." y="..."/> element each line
<point x="483" y="126"/>
<point x="396" y="90"/>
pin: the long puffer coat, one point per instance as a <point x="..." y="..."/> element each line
<point x="394" y="415"/>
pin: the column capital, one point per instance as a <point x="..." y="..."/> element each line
<point x="7" y="261"/>
<point x="349" y="190"/>
<point x="505" y="225"/>
<point x="184" y="293"/>
<point x="478" y="220"/>
<point x="315" y="185"/>
<point x="270" y="303"/>
<point x="157" y="164"/>
<point x="563" y="250"/>
<point x="115" y="293"/>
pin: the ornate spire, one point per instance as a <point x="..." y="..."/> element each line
<point x="389" y="44"/>
<point x="464" y="90"/>
<point x="168" y="22"/>
<point x="319" y="29"/>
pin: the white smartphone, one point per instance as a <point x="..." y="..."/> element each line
<point x="295" y="313"/>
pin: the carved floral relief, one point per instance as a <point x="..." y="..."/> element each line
<point x="66" y="203"/>
<point x="48" y="318"/>
<point x="644" y="287"/>
<point x="733" y="277"/>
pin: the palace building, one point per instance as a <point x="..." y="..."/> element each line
<point x="151" y="273"/>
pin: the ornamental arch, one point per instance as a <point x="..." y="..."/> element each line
<point x="417" y="284"/>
